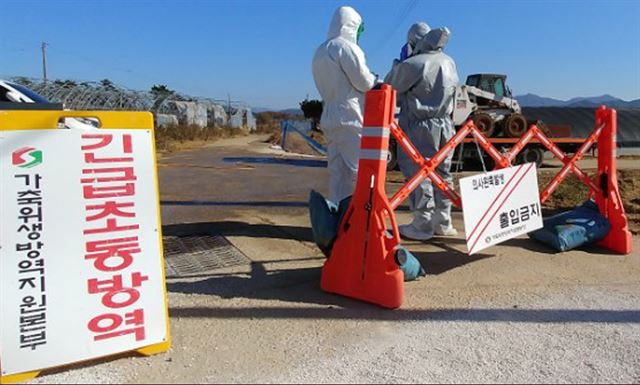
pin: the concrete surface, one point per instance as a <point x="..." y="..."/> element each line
<point x="513" y="313"/>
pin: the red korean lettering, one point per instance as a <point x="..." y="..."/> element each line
<point x="107" y="323"/>
<point x="110" y="208"/>
<point x="111" y="227"/>
<point x="117" y="295"/>
<point x="112" y="254"/>
<point x="93" y="192"/>
<point x="103" y="140"/>
<point x="124" y="174"/>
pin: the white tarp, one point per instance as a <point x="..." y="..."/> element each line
<point x="216" y="115"/>
<point x="242" y="117"/>
<point x="190" y="113"/>
<point x="251" y="121"/>
<point x="166" y="120"/>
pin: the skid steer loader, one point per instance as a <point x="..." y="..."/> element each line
<point x="487" y="100"/>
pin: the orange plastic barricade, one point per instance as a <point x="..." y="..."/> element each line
<point x="608" y="199"/>
<point x="362" y="263"/>
<point x="604" y="188"/>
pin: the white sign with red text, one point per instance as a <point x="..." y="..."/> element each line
<point x="500" y="205"/>
<point x="81" y="272"/>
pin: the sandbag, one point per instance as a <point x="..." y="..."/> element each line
<point x="409" y="264"/>
<point x="325" y="217"/>
<point x="581" y="226"/>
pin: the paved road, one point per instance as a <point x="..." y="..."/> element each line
<point x="513" y="313"/>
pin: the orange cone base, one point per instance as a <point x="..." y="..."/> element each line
<point x="618" y="241"/>
<point x="381" y="287"/>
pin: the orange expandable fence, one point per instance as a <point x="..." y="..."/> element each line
<point x="362" y="263"/>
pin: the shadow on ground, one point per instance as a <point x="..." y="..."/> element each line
<point x="235" y="203"/>
<point x="283" y="161"/>
<point x="449" y="258"/>
<point x="236" y="228"/>
<point x="266" y="281"/>
<point x="373" y="313"/>
<point x="541" y="248"/>
<point x="249" y="204"/>
<point x="301" y="286"/>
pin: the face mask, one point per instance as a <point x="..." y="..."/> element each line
<point x="406" y="52"/>
<point x="360" y="30"/>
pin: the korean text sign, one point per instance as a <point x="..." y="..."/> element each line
<point x="500" y="205"/>
<point x="81" y="273"/>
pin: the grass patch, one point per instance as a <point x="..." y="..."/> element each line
<point x="176" y="138"/>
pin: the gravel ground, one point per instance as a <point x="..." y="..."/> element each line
<point x="514" y="313"/>
<point x="554" y="340"/>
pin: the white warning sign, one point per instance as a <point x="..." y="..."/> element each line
<point x="500" y="205"/>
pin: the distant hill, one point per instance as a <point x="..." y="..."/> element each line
<point x="290" y="111"/>
<point x="260" y="109"/>
<point x="532" y="100"/>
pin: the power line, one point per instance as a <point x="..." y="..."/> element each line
<point x="44" y="61"/>
<point x="402" y="15"/>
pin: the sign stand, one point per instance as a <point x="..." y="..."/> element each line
<point x="98" y="219"/>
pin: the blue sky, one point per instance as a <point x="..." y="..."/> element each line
<point x="260" y="51"/>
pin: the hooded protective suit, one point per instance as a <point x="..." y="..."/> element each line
<point x="415" y="34"/>
<point x="342" y="77"/>
<point x="427" y="82"/>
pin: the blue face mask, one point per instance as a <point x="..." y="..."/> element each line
<point x="406" y="52"/>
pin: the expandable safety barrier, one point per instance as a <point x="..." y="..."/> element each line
<point x="362" y="262"/>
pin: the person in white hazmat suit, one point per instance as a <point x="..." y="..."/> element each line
<point x="342" y="77"/>
<point x="416" y="32"/>
<point x="427" y="81"/>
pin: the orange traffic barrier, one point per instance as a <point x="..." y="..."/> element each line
<point x="609" y="200"/>
<point x="362" y="262"/>
<point x="604" y="188"/>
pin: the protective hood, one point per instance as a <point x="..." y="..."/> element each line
<point x="345" y="24"/>
<point x="417" y="32"/>
<point x="435" y="40"/>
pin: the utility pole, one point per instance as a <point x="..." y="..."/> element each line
<point x="229" y="104"/>
<point x="44" y="61"/>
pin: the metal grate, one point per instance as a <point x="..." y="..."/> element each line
<point x="197" y="255"/>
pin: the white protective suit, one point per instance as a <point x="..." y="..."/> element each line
<point x="416" y="32"/>
<point x="342" y="77"/>
<point x="427" y="81"/>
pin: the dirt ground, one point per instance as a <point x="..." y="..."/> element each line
<point x="572" y="192"/>
<point x="516" y="312"/>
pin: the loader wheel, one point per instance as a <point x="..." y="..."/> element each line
<point x="485" y="124"/>
<point x="531" y="155"/>
<point x="515" y="125"/>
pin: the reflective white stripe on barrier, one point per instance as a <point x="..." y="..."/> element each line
<point x="373" y="154"/>
<point x="375" y="132"/>
<point x="409" y="146"/>
<point x="413" y="185"/>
